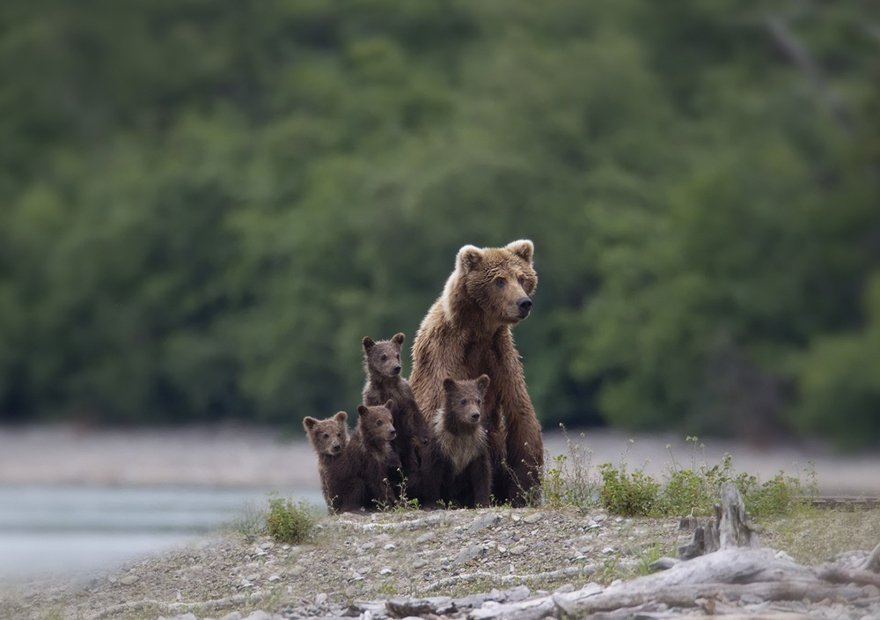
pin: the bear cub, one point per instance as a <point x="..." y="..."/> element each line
<point x="376" y="462"/>
<point x="385" y="382"/>
<point x="329" y="438"/>
<point x="462" y="444"/>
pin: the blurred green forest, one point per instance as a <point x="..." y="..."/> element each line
<point x="207" y="204"/>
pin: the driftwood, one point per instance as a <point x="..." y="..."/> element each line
<point x="716" y="581"/>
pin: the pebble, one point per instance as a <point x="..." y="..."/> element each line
<point x="232" y="615"/>
<point x="484" y="521"/>
<point x="267" y="545"/>
<point x="274" y="577"/>
<point x="356" y="576"/>
<point x="385" y="571"/>
<point x="420" y="563"/>
<point x="321" y="599"/>
<point x="128" y="580"/>
<point x="468" y="554"/>
<point x="518" y="550"/>
<point x="252" y="577"/>
<point x="533" y="518"/>
<point x="259" y="615"/>
<point x="390" y="547"/>
<point x="607" y="550"/>
<point x="421" y="540"/>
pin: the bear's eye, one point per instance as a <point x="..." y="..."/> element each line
<point x="464" y="401"/>
<point x="479" y="402"/>
<point x="500" y="282"/>
<point x="522" y="281"/>
<point x="326" y="435"/>
<point x="384" y="358"/>
<point x="378" y="422"/>
<point x="398" y="357"/>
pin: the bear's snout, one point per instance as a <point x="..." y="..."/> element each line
<point x="525" y="305"/>
<point x="392" y="434"/>
<point x="395" y="370"/>
<point x="336" y="448"/>
<point x="475" y="417"/>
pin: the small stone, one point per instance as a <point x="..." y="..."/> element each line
<point x="564" y="588"/>
<point x="356" y="576"/>
<point x="599" y="518"/>
<point x="259" y="615"/>
<point x="274" y="577"/>
<point x="297" y="571"/>
<point x="390" y="547"/>
<point x="618" y="519"/>
<point x="129" y="580"/>
<point x="420" y="563"/>
<point x="518" y="550"/>
<point x="533" y="518"/>
<point x="244" y="583"/>
<point x="385" y="571"/>
<point x="252" y="577"/>
<point x="267" y="545"/>
<point x="232" y="615"/>
<point x="428" y="536"/>
<point x="468" y="554"/>
<point x="321" y="599"/>
<point x="502" y="549"/>
<point x="607" y="550"/>
<point x="516" y="518"/>
<point x="483" y="521"/>
<point x="111" y="579"/>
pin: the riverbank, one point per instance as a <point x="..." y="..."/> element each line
<point x="353" y="561"/>
<point x="232" y="456"/>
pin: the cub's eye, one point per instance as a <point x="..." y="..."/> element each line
<point x="500" y="282"/>
<point x="522" y="281"/>
<point x="384" y="358"/>
<point x="479" y="402"/>
<point x="378" y="422"/>
<point x="398" y="356"/>
<point x="463" y="401"/>
<point x="326" y="435"/>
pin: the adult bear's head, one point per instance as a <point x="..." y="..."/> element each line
<point x="498" y="283"/>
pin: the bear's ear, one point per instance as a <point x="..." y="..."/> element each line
<point x="483" y="383"/>
<point x="368" y="343"/>
<point x="341" y="416"/>
<point x="389" y="405"/>
<point x="309" y="423"/>
<point x="362" y="409"/>
<point x="523" y="248"/>
<point x="398" y="338"/>
<point x="448" y="384"/>
<point x="469" y="258"/>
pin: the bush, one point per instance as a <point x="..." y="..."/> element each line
<point x="627" y="494"/>
<point x="288" y="522"/>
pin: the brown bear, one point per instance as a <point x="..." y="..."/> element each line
<point x="385" y="381"/>
<point x="467" y="332"/>
<point x="461" y="443"/>
<point x="329" y="438"/>
<point x="375" y="460"/>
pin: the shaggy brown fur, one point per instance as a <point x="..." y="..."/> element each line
<point x="468" y="332"/>
<point x="385" y="381"/>
<point x="375" y="459"/>
<point x="461" y="444"/>
<point x="329" y="438"/>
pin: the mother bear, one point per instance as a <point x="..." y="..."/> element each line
<point x="466" y="333"/>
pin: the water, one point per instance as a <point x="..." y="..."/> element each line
<point x="82" y="529"/>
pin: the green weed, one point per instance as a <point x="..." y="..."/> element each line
<point x="289" y="522"/>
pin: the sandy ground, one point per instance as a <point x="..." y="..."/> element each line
<point x="254" y="457"/>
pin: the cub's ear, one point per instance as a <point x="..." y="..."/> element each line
<point x="341" y="416"/>
<point x="362" y="409"/>
<point x="390" y="405"/>
<point x="398" y="338"/>
<point x="448" y="384"/>
<point x="469" y="258"/>
<point x="309" y="423"/>
<point x="368" y="343"/>
<point x="523" y="248"/>
<point x="483" y="383"/>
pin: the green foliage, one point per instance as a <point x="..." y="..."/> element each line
<point x="289" y="522"/>
<point x="628" y="494"/>
<point x="569" y="481"/>
<point x="207" y="205"/>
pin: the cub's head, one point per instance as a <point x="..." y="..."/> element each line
<point x="464" y="399"/>
<point x="383" y="358"/>
<point x="375" y="423"/>
<point x="327" y="436"/>
<point x="500" y="281"/>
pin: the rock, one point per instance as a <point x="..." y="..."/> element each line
<point x="274" y="577"/>
<point x="252" y="577"/>
<point x="533" y="518"/>
<point x="259" y="615"/>
<point x="518" y="550"/>
<point x="232" y="615"/>
<point x="420" y="563"/>
<point x="468" y="554"/>
<point x="321" y="599"/>
<point x="426" y="537"/>
<point x="390" y="547"/>
<point x="484" y="521"/>
<point x="385" y="571"/>
<point x="607" y="550"/>
<point x="267" y="545"/>
<point x="356" y="576"/>
<point x="129" y="580"/>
